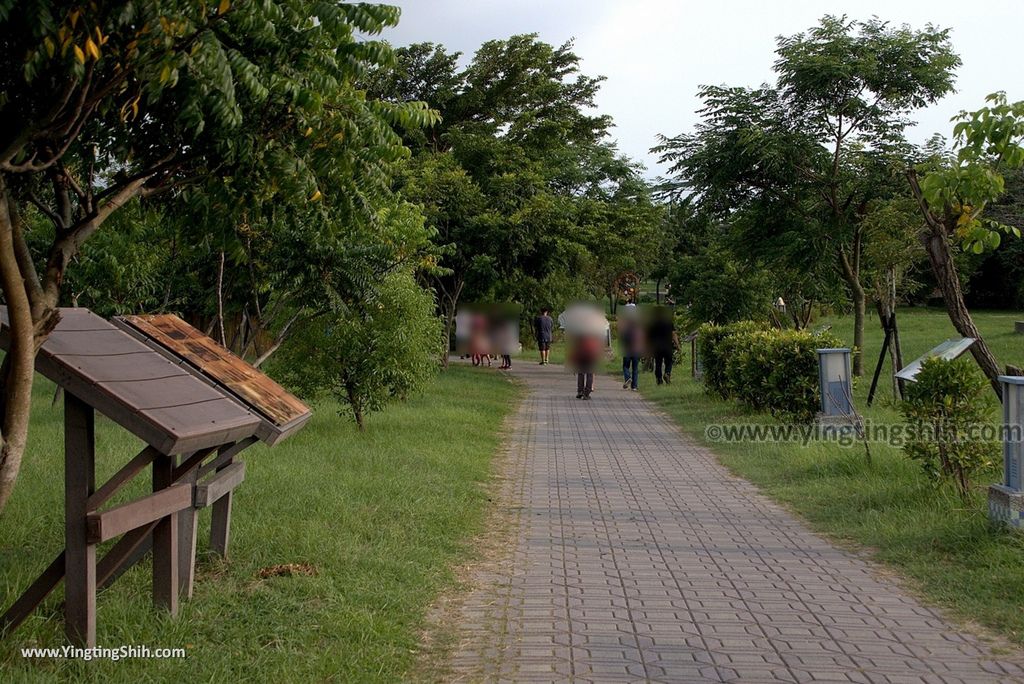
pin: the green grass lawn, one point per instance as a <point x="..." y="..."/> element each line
<point x="381" y="516"/>
<point x="949" y="551"/>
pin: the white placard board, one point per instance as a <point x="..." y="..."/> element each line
<point x="948" y="350"/>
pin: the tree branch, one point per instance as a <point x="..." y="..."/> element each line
<point x="33" y="288"/>
<point x="46" y="211"/>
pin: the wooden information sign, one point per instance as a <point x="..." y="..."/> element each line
<point x="195" y="405"/>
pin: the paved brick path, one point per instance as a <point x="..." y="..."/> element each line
<point x="638" y="557"/>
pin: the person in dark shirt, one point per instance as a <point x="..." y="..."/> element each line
<point x="662" y="341"/>
<point x="543" y="330"/>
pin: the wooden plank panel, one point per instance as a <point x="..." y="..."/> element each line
<point x="80" y="318"/>
<point x="91" y="343"/>
<point x="254" y="387"/>
<point x="123" y="367"/>
<point x="162" y="393"/>
<point x="86" y="354"/>
<point x="222" y="417"/>
<point x="220" y="484"/>
<point x="120" y="519"/>
<point x="160" y="428"/>
<point x="71" y="318"/>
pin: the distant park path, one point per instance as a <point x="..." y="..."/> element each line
<point x="638" y="557"/>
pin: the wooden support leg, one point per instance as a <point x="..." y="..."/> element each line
<point x="33" y="596"/>
<point x="220" y="522"/>
<point x="165" y="543"/>
<point x="188" y="522"/>
<point x="80" y="555"/>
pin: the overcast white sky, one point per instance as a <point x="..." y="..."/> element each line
<point x="655" y="53"/>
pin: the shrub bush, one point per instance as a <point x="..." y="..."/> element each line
<point x="710" y="338"/>
<point x="378" y="350"/>
<point x="944" y="408"/>
<point x="767" y="369"/>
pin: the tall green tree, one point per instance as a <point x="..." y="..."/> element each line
<point x="953" y="193"/>
<point x="518" y="178"/>
<point x="105" y="103"/>
<point x="367" y="352"/>
<point x="809" y="144"/>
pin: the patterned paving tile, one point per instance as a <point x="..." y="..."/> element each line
<point x="638" y="557"/>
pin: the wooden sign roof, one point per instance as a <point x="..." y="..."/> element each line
<point x="137" y="387"/>
<point x="282" y="412"/>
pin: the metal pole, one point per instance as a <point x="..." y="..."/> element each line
<point x="878" y="366"/>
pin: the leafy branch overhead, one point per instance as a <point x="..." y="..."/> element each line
<point x="800" y="163"/>
<point x="960" y="186"/>
<point x="239" y="116"/>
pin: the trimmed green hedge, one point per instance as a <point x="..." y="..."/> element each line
<point x="713" y="348"/>
<point x="765" y="368"/>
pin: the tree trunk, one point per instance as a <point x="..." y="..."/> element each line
<point x="859" y="314"/>
<point x="449" y="307"/>
<point x="220" y="301"/>
<point x="32" y="307"/>
<point x="885" y="308"/>
<point x="940" y="255"/>
<point x="17" y="385"/>
<point x="895" y="353"/>
<point x="279" y="340"/>
<point x="944" y="268"/>
<point x="859" y="300"/>
<point x="901" y="384"/>
<point x="353" y="401"/>
<point x="449" y="324"/>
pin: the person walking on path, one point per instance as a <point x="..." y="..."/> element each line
<point x="543" y="330"/>
<point x="663" y="341"/>
<point x="507" y="339"/>
<point x="630" y="341"/>
<point x="588" y="331"/>
<point x="480" y="340"/>
<point x="586" y="351"/>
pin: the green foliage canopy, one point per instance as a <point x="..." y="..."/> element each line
<point x="518" y="177"/>
<point x="813" y="151"/>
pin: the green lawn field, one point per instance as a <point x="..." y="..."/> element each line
<point x="379" y="518"/>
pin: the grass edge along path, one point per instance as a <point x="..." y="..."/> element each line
<point x="373" y="522"/>
<point x="953" y="558"/>
<point x="494" y="547"/>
